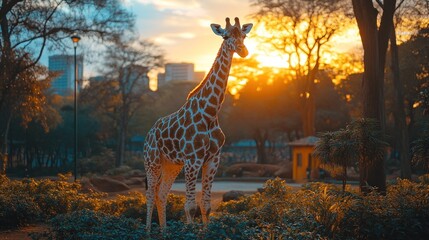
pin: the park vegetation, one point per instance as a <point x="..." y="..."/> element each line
<point x="370" y="115"/>
<point x="315" y="211"/>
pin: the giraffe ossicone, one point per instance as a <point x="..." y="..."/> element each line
<point x="191" y="137"/>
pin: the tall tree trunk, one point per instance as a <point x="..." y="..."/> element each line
<point x="122" y="137"/>
<point x="344" y="178"/>
<point x="4" y="149"/>
<point x="399" y="110"/>
<point x="308" y="116"/>
<point x="260" y="137"/>
<point x="309" y="110"/>
<point x="375" y="41"/>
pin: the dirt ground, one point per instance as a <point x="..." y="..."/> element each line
<point x="22" y="233"/>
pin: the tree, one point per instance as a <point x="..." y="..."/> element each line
<point x="360" y="141"/>
<point x="26" y="102"/>
<point x="375" y="38"/>
<point x="29" y="27"/>
<point x="420" y="149"/>
<point x="262" y="106"/>
<point x="302" y="30"/>
<point x="337" y="148"/>
<point x="413" y="65"/>
<point x="125" y="83"/>
<point x="416" y="12"/>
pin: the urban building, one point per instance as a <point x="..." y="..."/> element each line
<point x="64" y="65"/>
<point x="134" y="78"/>
<point x="179" y="72"/>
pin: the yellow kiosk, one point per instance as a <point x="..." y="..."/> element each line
<point x="304" y="166"/>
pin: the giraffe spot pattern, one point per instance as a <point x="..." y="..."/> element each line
<point x="191" y="137"/>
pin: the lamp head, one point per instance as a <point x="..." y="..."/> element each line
<point x="75" y="38"/>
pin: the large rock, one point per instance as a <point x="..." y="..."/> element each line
<point x="232" y="195"/>
<point x="105" y="184"/>
<point x="252" y="170"/>
<point x="135" y="173"/>
<point x="135" y="181"/>
<point x="285" y="170"/>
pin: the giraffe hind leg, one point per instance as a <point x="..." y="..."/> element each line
<point x="169" y="173"/>
<point x="153" y="174"/>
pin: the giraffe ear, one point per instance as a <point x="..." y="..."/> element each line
<point x="217" y="29"/>
<point x="246" y="28"/>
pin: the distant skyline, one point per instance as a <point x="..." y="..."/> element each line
<point x="181" y="28"/>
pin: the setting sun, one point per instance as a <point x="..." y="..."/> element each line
<point x="342" y="54"/>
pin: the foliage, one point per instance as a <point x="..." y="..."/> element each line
<point x="29" y="200"/>
<point x="324" y="211"/>
<point x="360" y="142"/>
<point x="88" y="224"/>
<point x="17" y="209"/>
<point x="98" y="163"/>
<point x="30" y="27"/>
<point x="420" y="148"/>
<point x="316" y="211"/>
<point x="303" y="36"/>
<point x="119" y="95"/>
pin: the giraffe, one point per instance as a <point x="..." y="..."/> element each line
<point x="191" y="137"/>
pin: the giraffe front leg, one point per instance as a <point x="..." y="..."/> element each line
<point x="191" y="174"/>
<point x="208" y="172"/>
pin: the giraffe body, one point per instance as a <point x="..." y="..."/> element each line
<point x="191" y="138"/>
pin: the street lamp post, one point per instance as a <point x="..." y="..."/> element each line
<point x="75" y="38"/>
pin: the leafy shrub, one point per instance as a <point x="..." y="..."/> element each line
<point x="323" y="211"/>
<point x="135" y="163"/>
<point x="132" y="205"/>
<point x="29" y="200"/>
<point x="16" y="211"/>
<point x="91" y="225"/>
<point x="316" y="211"/>
<point x="232" y="227"/>
<point x="98" y="163"/>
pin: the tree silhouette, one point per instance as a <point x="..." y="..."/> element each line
<point x="126" y="81"/>
<point x="375" y="37"/>
<point x="27" y="28"/>
<point x="302" y="30"/>
<point x="361" y="141"/>
<point x="337" y="148"/>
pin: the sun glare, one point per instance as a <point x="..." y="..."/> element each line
<point x="336" y="55"/>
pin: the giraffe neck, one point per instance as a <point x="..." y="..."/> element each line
<point x="211" y="91"/>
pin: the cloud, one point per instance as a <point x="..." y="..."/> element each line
<point x="173" y="38"/>
<point x="190" y="8"/>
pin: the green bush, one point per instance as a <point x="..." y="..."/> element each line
<point x="92" y="225"/>
<point x="17" y="211"/>
<point x="98" y="164"/>
<point x="316" y="211"/>
<point x="29" y="200"/>
<point x="135" y="163"/>
<point x="324" y="211"/>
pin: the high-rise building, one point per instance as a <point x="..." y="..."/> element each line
<point x="64" y="65"/>
<point x="179" y="72"/>
<point x="133" y="78"/>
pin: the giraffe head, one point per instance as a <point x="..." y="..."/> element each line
<point x="234" y="35"/>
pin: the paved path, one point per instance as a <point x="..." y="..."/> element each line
<point x="225" y="186"/>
